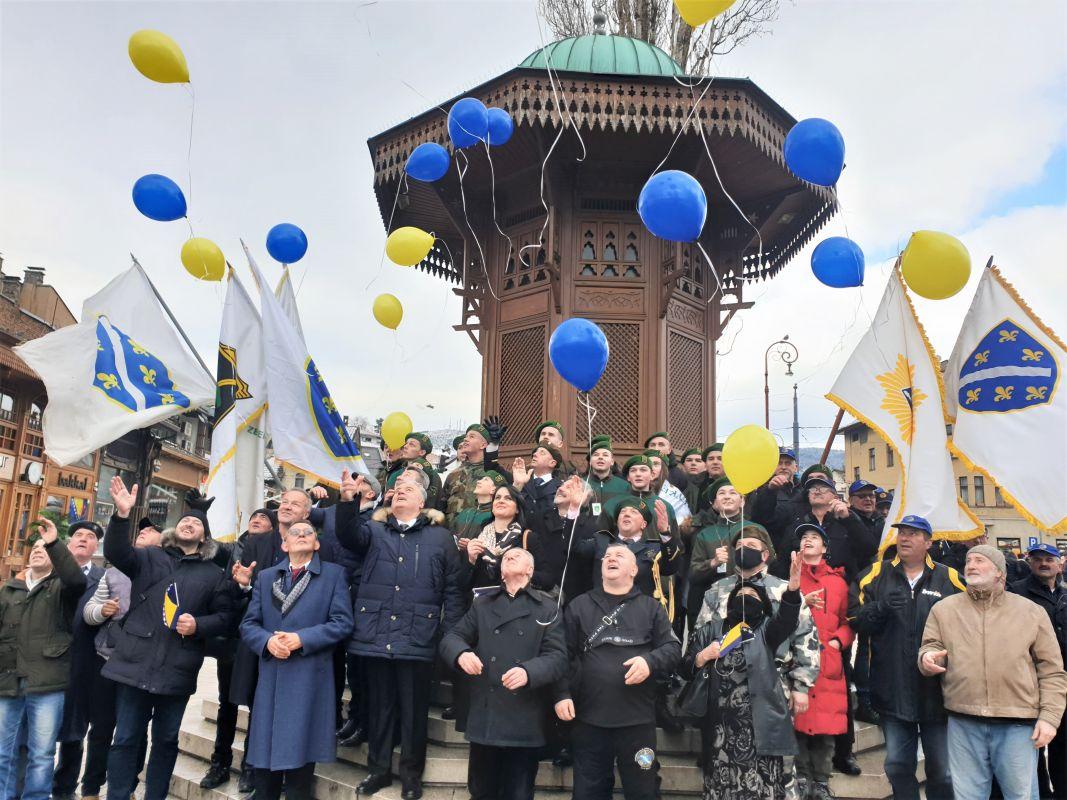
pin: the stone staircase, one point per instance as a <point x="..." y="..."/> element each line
<point x="445" y="777"/>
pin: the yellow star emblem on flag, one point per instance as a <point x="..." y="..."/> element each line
<point x="901" y="397"/>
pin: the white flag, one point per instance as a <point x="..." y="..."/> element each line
<point x="306" y="428"/>
<point x="238" y="437"/>
<point x="1010" y="412"/>
<point x="124" y="366"/>
<point x="287" y="299"/>
<point x="892" y="383"/>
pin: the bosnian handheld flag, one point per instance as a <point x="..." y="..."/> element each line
<point x="307" y="430"/>
<point x="287" y="299"/>
<point x="238" y="437"/>
<point x="738" y="635"/>
<point x="1010" y="411"/>
<point x="892" y="383"/>
<point x="124" y="366"/>
<point x="170" y="606"/>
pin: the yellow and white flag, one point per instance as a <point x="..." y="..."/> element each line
<point x="307" y="430"/>
<point x="238" y="435"/>
<point x="124" y="366"/>
<point x="1010" y="411"/>
<point x="892" y="383"/>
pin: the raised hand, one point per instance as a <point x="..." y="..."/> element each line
<point x="495" y="429"/>
<point x="318" y="493"/>
<point x="350" y="486"/>
<point x="123" y="498"/>
<point x="46" y="529"/>
<point x="475" y="548"/>
<point x="795" y="563"/>
<point x="576" y="488"/>
<point x="519" y="474"/>
<point x="663" y="523"/>
<point x="839" y="508"/>
<point x="815" y="599"/>
<point x="242" y="575"/>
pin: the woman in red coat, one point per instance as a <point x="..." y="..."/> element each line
<point x="826" y="593"/>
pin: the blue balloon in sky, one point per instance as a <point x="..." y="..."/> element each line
<point x="468" y="122"/>
<point x="428" y="162"/>
<point x="286" y="243"/>
<point x="501" y="126"/>
<point x="673" y="206"/>
<point x="838" y="262"/>
<point x="579" y="352"/>
<point x="159" y="198"/>
<point x="814" y="151"/>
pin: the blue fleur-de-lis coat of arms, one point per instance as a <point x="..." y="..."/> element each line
<point x="1010" y="369"/>
<point x="129" y="374"/>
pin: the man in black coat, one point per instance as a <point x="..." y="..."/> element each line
<point x="538" y="484"/>
<point x="560" y="533"/>
<point x="78" y="706"/>
<point x="179" y="600"/>
<point x="510" y="657"/>
<point x="619" y="640"/>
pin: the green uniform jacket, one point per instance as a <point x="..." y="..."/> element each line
<point x="607" y="490"/>
<point x="35" y="627"/>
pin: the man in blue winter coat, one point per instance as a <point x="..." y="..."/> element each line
<point x="410" y="592"/>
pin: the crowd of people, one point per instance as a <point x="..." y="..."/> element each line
<point x="575" y="612"/>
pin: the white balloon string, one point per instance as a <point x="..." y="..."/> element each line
<point x="714" y="272"/>
<point x="462" y="171"/>
<point x="492" y="194"/>
<point x="400" y="185"/>
<point x="189" y="152"/>
<point x="682" y="127"/>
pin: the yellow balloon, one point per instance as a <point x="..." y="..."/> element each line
<point x="749" y="457"/>
<point x="158" y="57"/>
<point x="697" y="12"/>
<point x="388" y="311"/>
<point x="408" y="246"/>
<point x="395" y="429"/>
<point x="935" y="265"/>
<point x="202" y="259"/>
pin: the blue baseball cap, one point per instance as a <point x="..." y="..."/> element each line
<point x="915" y="521"/>
<point x="884" y="498"/>
<point x="860" y="485"/>
<point x="787" y="451"/>
<point x="813" y="482"/>
<point x="805" y="527"/>
<point x="1047" y="549"/>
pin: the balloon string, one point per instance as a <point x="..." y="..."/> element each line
<point x="492" y="194"/>
<point x="189" y="152"/>
<point x="682" y="127"/>
<point x="400" y="184"/>
<point x="463" y="198"/>
<point x="714" y="272"/>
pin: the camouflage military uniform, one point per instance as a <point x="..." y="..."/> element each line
<point x="798" y="657"/>
<point x="457" y="493"/>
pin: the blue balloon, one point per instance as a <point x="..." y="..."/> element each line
<point x="428" y="162"/>
<point x="579" y="352"/>
<point x="501" y="126"/>
<point x="286" y="243"/>
<point x="814" y="151"/>
<point x="468" y="122"/>
<point x="838" y="262"/>
<point x="159" y="198"/>
<point x="673" y="206"/>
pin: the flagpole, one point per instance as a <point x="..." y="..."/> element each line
<point x="173" y="319"/>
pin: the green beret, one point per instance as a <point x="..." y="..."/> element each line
<point x="652" y="436"/>
<point x="639" y="460"/>
<point x="552" y="451"/>
<point x="692" y="451"/>
<point x="550" y="423"/>
<point x="422" y="439"/>
<point x="632" y="502"/>
<point x="715" y="448"/>
<point x="714" y="486"/>
<point x="654" y="454"/>
<point x="825" y="470"/>
<point x="456" y="442"/>
<point x="600" y="443"/>
<point x="481" y="429"/>
<point x="497" y="479"/>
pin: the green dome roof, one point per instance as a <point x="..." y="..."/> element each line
<point x="613" y="55"/>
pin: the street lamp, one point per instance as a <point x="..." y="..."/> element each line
<point x="786" y="353"/>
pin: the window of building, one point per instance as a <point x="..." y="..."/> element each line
<point x="979" y="490"/>
<point x="863" y="436"/>
<point x="855" y="436"/>
<point x="964" y="493"/>
<point x="948" y="429"/>
<point x="33" y="445"/>
<point x="888" y="456"/>
<point x="298" y="482"/>
<point x="871" y="460"/>
<point x="855" y="473"/>
<point x="8" y="436"/>
<point x="33" y="418"/>
<point x="998" y="497"/>
<point x="7" y="407"/>
<point x="1007" y="545"/>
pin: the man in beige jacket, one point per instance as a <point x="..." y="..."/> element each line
<point x="1002" y="677"/>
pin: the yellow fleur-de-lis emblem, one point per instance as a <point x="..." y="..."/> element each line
<point x="981" y="358"/>
<point x="1008" y="336"/>
<point x="138" y="348"/>
<point x="149" y="375"/>
<point x="1002" y="393"/>
<point x="108" y="380"/>
<point x="328" y="404"/>
<point x="341" y="433"/>
<point x="1036" y="392"/>
<point x="1032" y="355"/>
<point x="99" y="347"/>
<point x="166" y="398"/>
<point x="972" y="395"/>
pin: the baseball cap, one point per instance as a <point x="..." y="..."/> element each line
<point x="915" y="521"/>
<point x="1042" y="547"/>
<point x="861" y="485"/>
<point x="805" y="527"/>
<point x="787" y="451"/>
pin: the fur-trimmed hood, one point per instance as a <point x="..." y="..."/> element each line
<point x="207" y="550"/>
<point x="432" y="515"/>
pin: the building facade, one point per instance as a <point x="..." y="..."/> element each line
<point x="867" y="456"/>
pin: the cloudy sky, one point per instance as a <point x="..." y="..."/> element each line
<point x="953" y="115"/>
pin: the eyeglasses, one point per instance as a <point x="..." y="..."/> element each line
<point x="300" y="533"/>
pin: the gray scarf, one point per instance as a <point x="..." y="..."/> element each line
<point x="286" y="601"/>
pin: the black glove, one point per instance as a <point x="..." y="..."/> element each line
<point x="897" y="601"/>
<point x="197" y="501"/>
<point x="495" y="429"/>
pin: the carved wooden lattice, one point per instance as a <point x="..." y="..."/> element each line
<point x="685" y="387"/>
<point x="526" y="265"/>
<point x="617" y="396"/>
<point x="522" y="382"/>
<point x="609" y="250"/>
